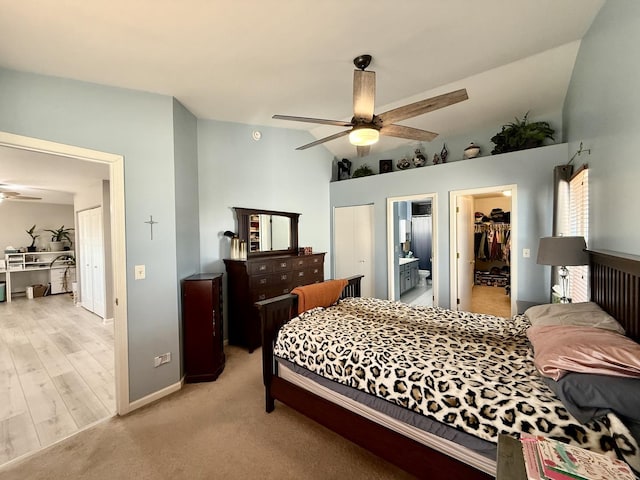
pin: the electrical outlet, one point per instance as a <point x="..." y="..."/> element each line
<point x="162" y="359"/>
<point x="139" y="272"/>
<point x="526" y="253"/>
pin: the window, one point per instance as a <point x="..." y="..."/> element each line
<point x="579" y="226"/>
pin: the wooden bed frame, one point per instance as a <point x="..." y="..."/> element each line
<point x="615" y="286"/>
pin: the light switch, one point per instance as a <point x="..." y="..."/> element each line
<point x="139" y="272"/>
<point x="526" y="253"/>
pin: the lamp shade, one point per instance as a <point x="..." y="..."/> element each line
<point x="363" y="136"/>
<point x="562" y="251"/>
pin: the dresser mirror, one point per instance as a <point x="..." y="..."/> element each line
<point x="268" y="232"/>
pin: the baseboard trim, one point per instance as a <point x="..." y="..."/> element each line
<point x="141" y="402"/>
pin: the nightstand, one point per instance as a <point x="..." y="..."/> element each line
<point x="510" y="459"/>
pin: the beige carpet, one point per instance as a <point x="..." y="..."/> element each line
<point x="216" y="430"/>
<point x="491" y="300"/>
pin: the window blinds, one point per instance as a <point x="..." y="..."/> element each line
<point x="579" y="225"/>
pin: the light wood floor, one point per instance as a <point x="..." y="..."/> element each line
<point x="56" y="372"/>
<point x="491" y="300"/>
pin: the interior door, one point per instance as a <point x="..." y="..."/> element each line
<point x="91" y="257"/>
<point x="465" y="258"/>
<point x="353" y="245"/>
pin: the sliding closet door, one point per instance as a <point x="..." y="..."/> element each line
<point x="91" y="257"/>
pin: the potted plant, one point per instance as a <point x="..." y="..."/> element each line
<point x="520" y="135"/>
<point x="58" y="237"/>
<point x="362" y="171"/>
<point x="32" y="247"/>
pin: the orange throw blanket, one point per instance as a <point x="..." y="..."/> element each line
<point x="322" y="294"/>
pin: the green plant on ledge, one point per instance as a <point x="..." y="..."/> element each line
<point x="30" y="232"/>
<point x="61" y="234"/>
<point x="362" y="171"/>
<point x="521" y="135"/>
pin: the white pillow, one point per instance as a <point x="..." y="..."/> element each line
<point x="587" y="314"/>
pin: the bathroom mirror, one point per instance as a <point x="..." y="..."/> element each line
<point x="267" y="232"/>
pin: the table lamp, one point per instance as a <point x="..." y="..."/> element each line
<point x="562" y="252"/>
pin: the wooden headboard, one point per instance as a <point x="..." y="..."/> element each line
<point x="615" y="286"/>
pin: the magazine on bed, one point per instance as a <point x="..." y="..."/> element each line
<point x="546" y="458"/>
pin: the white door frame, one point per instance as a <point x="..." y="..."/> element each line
<point x="453" y="239"/>
<point x="118" y="246"/>
<point x="434" y="242"/>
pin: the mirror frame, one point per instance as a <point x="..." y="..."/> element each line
<point x="242" y="218"/>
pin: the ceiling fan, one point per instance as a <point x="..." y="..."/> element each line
<point x="366" y="127"/>
<point x="7" y="195"/>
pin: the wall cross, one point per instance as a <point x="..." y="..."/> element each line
<point x="151" y="223"/>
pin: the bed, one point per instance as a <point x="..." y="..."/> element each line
<point x="441" y="448"/>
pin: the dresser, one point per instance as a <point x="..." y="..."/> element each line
<point x="202" y="333"/>
<point x="255" y="279"/>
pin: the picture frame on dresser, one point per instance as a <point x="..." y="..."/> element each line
<point x="273" y="269"/>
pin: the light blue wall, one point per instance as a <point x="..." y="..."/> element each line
<point x="602" y="110"/>
<point x="530" y="170"/>
<point x="138" y="126"/>
<point x="185" y="128"/>
<point x="236" y="171"/>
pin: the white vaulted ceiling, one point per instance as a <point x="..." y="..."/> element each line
<point x="243" y="61"/>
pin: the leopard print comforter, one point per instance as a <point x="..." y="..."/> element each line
<point x="470" y="371"/>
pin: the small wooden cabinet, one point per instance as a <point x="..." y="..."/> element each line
<point x="202" y="332"/>
<point x="256" y="279"/>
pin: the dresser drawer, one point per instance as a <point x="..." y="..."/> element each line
<point x="308" y="275"/>
<point x="263" y="281"/>
<point x="304" y="261"/>
<point x="269" y="292"/>
<point x="259" y="268"/>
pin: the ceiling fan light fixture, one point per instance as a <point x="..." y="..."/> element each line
<point x="363" y="136"/>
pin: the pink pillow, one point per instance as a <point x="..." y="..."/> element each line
<point x="560" y="349"/>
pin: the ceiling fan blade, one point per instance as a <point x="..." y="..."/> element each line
<point x="364" y="151"/>
<point x="423" y="106"/>
<point x="21" y="197"/>
<point x="325" y="139"/>
<point x="9" y="194"/>
<point x="337" y="123"/>
<point x="364" y="94"/>
<point x="400" y="131"/>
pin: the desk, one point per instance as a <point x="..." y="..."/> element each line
<point x="19" y="263"/>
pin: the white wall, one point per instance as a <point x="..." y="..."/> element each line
<point x="17" y="217"/>
<point x="602" y="110"/>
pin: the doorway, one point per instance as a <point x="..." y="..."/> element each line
<point x="483" y="237"/>
<point x="117" y="244"/>
<point x="411" y="249"/>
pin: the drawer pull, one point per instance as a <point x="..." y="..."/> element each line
<point x="283" y="264"/>
<point x="263" y="267"/>
<point x="315" y="271"/>
<point x="262" y="296"/>
<point x="283" y="277"/>
<point x="263" y="281"/>
<point x="301" y="274"/>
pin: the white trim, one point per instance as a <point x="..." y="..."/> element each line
<point x="152" y="397"/>
<point x="116" y="168"/>
<point x="434" y="242"/>
<point x="453" y="196"/>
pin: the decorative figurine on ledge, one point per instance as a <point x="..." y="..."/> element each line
<point x="419" y="160"/>
<point x="344" y="169"/>
<point x="471" y="151"/>
<point x="436" y="159"/>
<point x="444" y="153"/>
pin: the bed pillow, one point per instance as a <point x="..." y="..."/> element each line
<point x="587" y="314"/>
<point x="587" y="396"/>
<point x="559" y="349"/>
